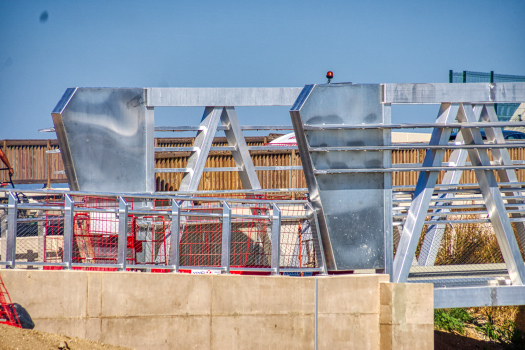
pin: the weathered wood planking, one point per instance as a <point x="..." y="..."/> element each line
<point x="33" y="165"/>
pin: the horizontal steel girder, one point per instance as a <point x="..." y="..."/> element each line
<point x="478" y="296"/>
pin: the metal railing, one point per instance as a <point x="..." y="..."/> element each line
<point x="79" y="230"/>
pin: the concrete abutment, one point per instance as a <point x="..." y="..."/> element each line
<point x="182" y="311"/>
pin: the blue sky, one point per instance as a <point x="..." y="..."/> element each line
<point x="242" y="44"/>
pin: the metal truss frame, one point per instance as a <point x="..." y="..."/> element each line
<point x="492" y="197"/>
<point x="202" y="146"/>
<point x="434" y="234"/>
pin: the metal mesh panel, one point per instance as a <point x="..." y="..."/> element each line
<point x="250" y="238"/>
<point x="201" y="236"/>
<point x="297" y="246"/>
<point x="30" y="237"/>
<point x="95" y="234"/>
<point x="147" y="241"/>
<point x="54" y="231"/>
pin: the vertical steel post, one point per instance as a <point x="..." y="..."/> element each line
<point x="69" y="214"/>
<point x="175" y="235"/>
<point x="226" y="236"/>
<point x="316" y="234"/>
<point x="150" y="149"/>
<point x="122" y="233"/>
<point x="12" y="227"/>
<point x="387" y="194"/>
<point x="276" y="239"/>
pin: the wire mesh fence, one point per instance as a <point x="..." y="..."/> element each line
<point x="95" y="234"/>
<point x="250" y="237"/>
<point x="96" y="228"/>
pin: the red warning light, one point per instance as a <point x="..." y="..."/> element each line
<point x="329" y="76"/>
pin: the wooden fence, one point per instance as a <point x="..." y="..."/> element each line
<point x="33" y="165"/>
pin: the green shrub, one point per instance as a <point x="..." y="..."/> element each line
<point x="450" y="319"/>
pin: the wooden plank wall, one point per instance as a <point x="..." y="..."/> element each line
<point x="33" y="165"/>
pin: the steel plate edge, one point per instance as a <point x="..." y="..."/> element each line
<point x="63" y="143"/>
<point x="308" y="169"/>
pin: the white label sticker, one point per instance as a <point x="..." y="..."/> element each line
<point x="205" y="272"/>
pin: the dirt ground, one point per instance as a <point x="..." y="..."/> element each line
<point x="452" y="341"/>
<point x="12" y="338"/>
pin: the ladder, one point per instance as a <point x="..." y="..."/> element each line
<point x="7" y="313"/>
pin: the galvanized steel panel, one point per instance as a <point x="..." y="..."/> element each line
<point x="218" y="97"/>
<point x="104" y="136"/>
<point x="351" y="207"/>
<point x="443" y="93"/>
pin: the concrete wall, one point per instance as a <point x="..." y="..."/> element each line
<point x="180" y="311"/>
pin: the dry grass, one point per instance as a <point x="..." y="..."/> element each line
<point x="469" y="243"/>
<point x="502" y="314"/>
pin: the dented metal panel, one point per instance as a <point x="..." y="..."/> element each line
<point x="106" y="139"/>
<point x="350" y="206"/>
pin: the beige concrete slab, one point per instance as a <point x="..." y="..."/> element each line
<point x="407" y="316"/>
<point x="155" y="294"/>
<point x="94" y="294"/>
<point x="412" y="336"/>
<point x="94" y="329"/>
<point x="71" y="327"/>
<point x="350" y="294"/>
<point x="349" y="331"/>
<point x="262" y="295"/>
<point x="48" y="294"/>
<point x="284" y="332"/>
<point x="180" y="311"/>
<point x="407" y="303"/>
<point x="386" y="336"/>
<point x="419" y="303"/>
<point x="157" y="333"/>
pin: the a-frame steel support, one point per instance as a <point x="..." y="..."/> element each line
<point x="501" y="156"/>
<point x="488" y="185"/>
<point x="203" y="142"/>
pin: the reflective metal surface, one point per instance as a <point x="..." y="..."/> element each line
<point x="442" y="93"/>
<point x="106" y="139"/>
<point x="350" y="206"/>
<point x="218" y="97"/>
<point x="240" y="155"/>
<point x="479" y="296"/>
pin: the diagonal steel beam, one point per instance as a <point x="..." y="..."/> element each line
<point x="203" y="141"/>
<point x="423" y="193"/>
<point x="240" y="155"/>
<point x="434" y="234"/>
<point x="493" y="199"/>
<point x="501" y="155"/>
